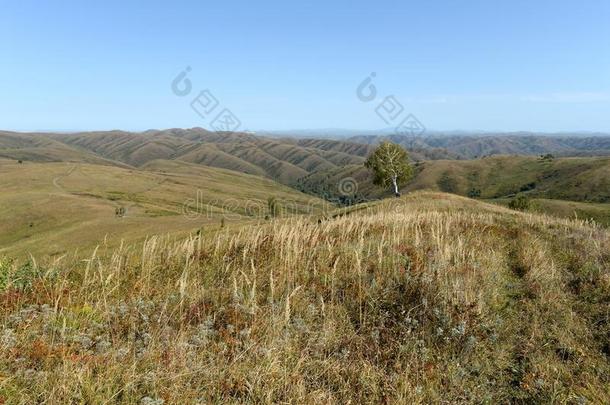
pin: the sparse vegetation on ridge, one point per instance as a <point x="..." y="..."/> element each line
<point x="427" y="298"/>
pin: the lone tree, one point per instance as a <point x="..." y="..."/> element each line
<point x="390" y="165"/>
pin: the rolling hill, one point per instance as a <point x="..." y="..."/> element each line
<point x="431" y="298"/>
<point x="40" y="148"/>
<point x="584" y="180"/>
<point x="282" y="160"/>
<point x="319" y="166"/>
<point x="575" y="179"/>
<point x="55" y="208"/>
<point x="170" y="265"/>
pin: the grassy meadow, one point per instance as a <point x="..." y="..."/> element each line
<point x="431" y="298"/>
<point x="54" y="208"/>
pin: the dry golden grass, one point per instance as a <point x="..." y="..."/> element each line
<point x="54" y="208"/>
<point x="430" y="298"/>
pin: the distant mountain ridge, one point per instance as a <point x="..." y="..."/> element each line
<point x="284" y="159"/>
<point x="476" y="146"/>
<point x="345" y="133"/>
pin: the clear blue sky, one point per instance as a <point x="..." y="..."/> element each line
<point x="519" y="65"/>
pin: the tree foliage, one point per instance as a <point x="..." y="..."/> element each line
<point x="390" y="165"/>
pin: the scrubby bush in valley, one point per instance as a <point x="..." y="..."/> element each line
<point x="474" y="193"/>
<point x="447" y="184"/>
<point x="521" y="203"/>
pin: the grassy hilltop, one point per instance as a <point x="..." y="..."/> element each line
<point x="427" y="298"/>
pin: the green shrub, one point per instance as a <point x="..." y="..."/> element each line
<point x="447" y="184"/>
<point x="474" y="193"/>
<point x="16" y="277"/>
<point x="528" y="186"/>
<point x="521" y="203"/>
<point x="5" y="268"/>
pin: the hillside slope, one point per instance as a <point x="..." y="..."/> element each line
<point x="431" y="298"/>
<point x="570" y="179"/>
<point x="576" y="179"/>
<point x="281" y="160"/>
<point x="566" y="187"/>
<point x="38" y="148"/>
<point x="56" y="208"/>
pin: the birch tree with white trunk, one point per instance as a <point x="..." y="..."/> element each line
<point x="390" y="166"/>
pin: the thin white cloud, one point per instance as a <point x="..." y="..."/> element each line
<point x="569" y="97"/>
<point x="557" y="97"/>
